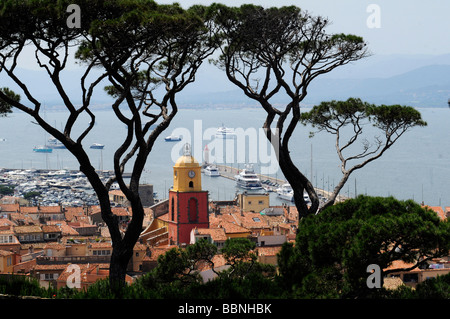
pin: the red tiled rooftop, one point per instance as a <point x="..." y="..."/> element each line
<point x="439" y="211"/>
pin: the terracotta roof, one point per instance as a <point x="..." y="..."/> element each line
<point x="21" y="217"/>
<point x="28" y="210"/>
<point x="117" y="192"/>
<point x="139" y="246"/>
<point x="439" y="211"/>
<point x="6" y="253"/>
<point x="100" y="245"/>
<point x="268" y="251"/>
<point x="67" y="230"/>
<point x="50" y="229"/>
<point x="6" y="222"/>
<point x="119" y="211"/>
<point x="55" y="246"/>
<point x="6" y="232"/>
<point x="9" y="208"/>
<point x="155" y="252"/>
<point x="399" y="264"/>
<point x="9" y="199"/>
<point x="27" y="229"/>
<point x="50" y="267"/>
<point x="217" y="234"/>
<point x="218" y="261"/>
<point x="50" y="209"/>
<point x="74" y="213"/>
<point x="80" y="224"/>
<point x="231" y="228"/>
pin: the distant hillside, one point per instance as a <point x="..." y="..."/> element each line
<point x="416" y="80"/>
<point x="427" y="86"/>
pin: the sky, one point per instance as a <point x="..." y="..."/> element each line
<point x="388" y="26"/>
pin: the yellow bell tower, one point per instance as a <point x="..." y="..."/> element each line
<point x="188" y="203"/>
<point x="187" y="173"/>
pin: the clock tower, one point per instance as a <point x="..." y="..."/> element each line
<point x="188" y="203"/>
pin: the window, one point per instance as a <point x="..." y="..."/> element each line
<point x="191" y="184"/>
<point x="260" y="202"/>
<point x="193" y="209"/>
<point x="6" y="239"/>
<point x="101" y="252"/>
<point x="410" y="278"/>
<point x="173" y="209"/>
<point x="49" y="276"/>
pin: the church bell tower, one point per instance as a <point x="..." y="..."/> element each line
<point x="188" y="203"/>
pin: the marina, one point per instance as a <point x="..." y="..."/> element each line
<point x="71" y="187"/>
<point x="272" y="184"/>
<point x="395" y="174"/>
<point x="51" y="187"/>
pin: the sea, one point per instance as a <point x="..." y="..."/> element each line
<point x="416" y="167"/>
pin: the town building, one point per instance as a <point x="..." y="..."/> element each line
<point x="253" y="202"/>
<point x="188" y="203"/>
<point x="43" y="241"/>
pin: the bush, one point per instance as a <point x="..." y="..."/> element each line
<point x="23" y="286"/>
<point x="434" y="288"/>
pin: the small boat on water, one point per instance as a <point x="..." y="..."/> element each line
<point x="55" y="144"/>
<point x="248" y="179"/>
<point x="97" y="146"/>
<point x="42" y="149"/>
<point x="211" y="170"/>
<point x="172" y="138"/>
<point x="224" y="132"/>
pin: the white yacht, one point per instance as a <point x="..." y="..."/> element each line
<point x="211" y="170"/>
<point x="224" y="132"/>
<point x="247" y="179"/>
<point x="172" y="138"/>
<point x="97" y="146"/>
<point x="286" y="192"/>
<point x="55" y="144"/>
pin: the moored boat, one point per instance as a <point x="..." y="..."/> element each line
<point x="285" y="192"/>
<point x="97" y="146"/>
<point x="211" y="170"/>
<point x="42" y="149"/>
<point x="172" y="138"/>
<point x="248" y="179"/>
<point x="224" y="132"/>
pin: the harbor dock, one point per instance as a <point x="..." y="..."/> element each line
<point x="229" y="172"/>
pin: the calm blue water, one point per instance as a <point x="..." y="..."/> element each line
<point x="416" y="167"/>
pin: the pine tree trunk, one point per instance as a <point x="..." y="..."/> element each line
<point x="299" y="184"/>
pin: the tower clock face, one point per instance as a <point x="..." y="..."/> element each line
<point x="191" y="174"/>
